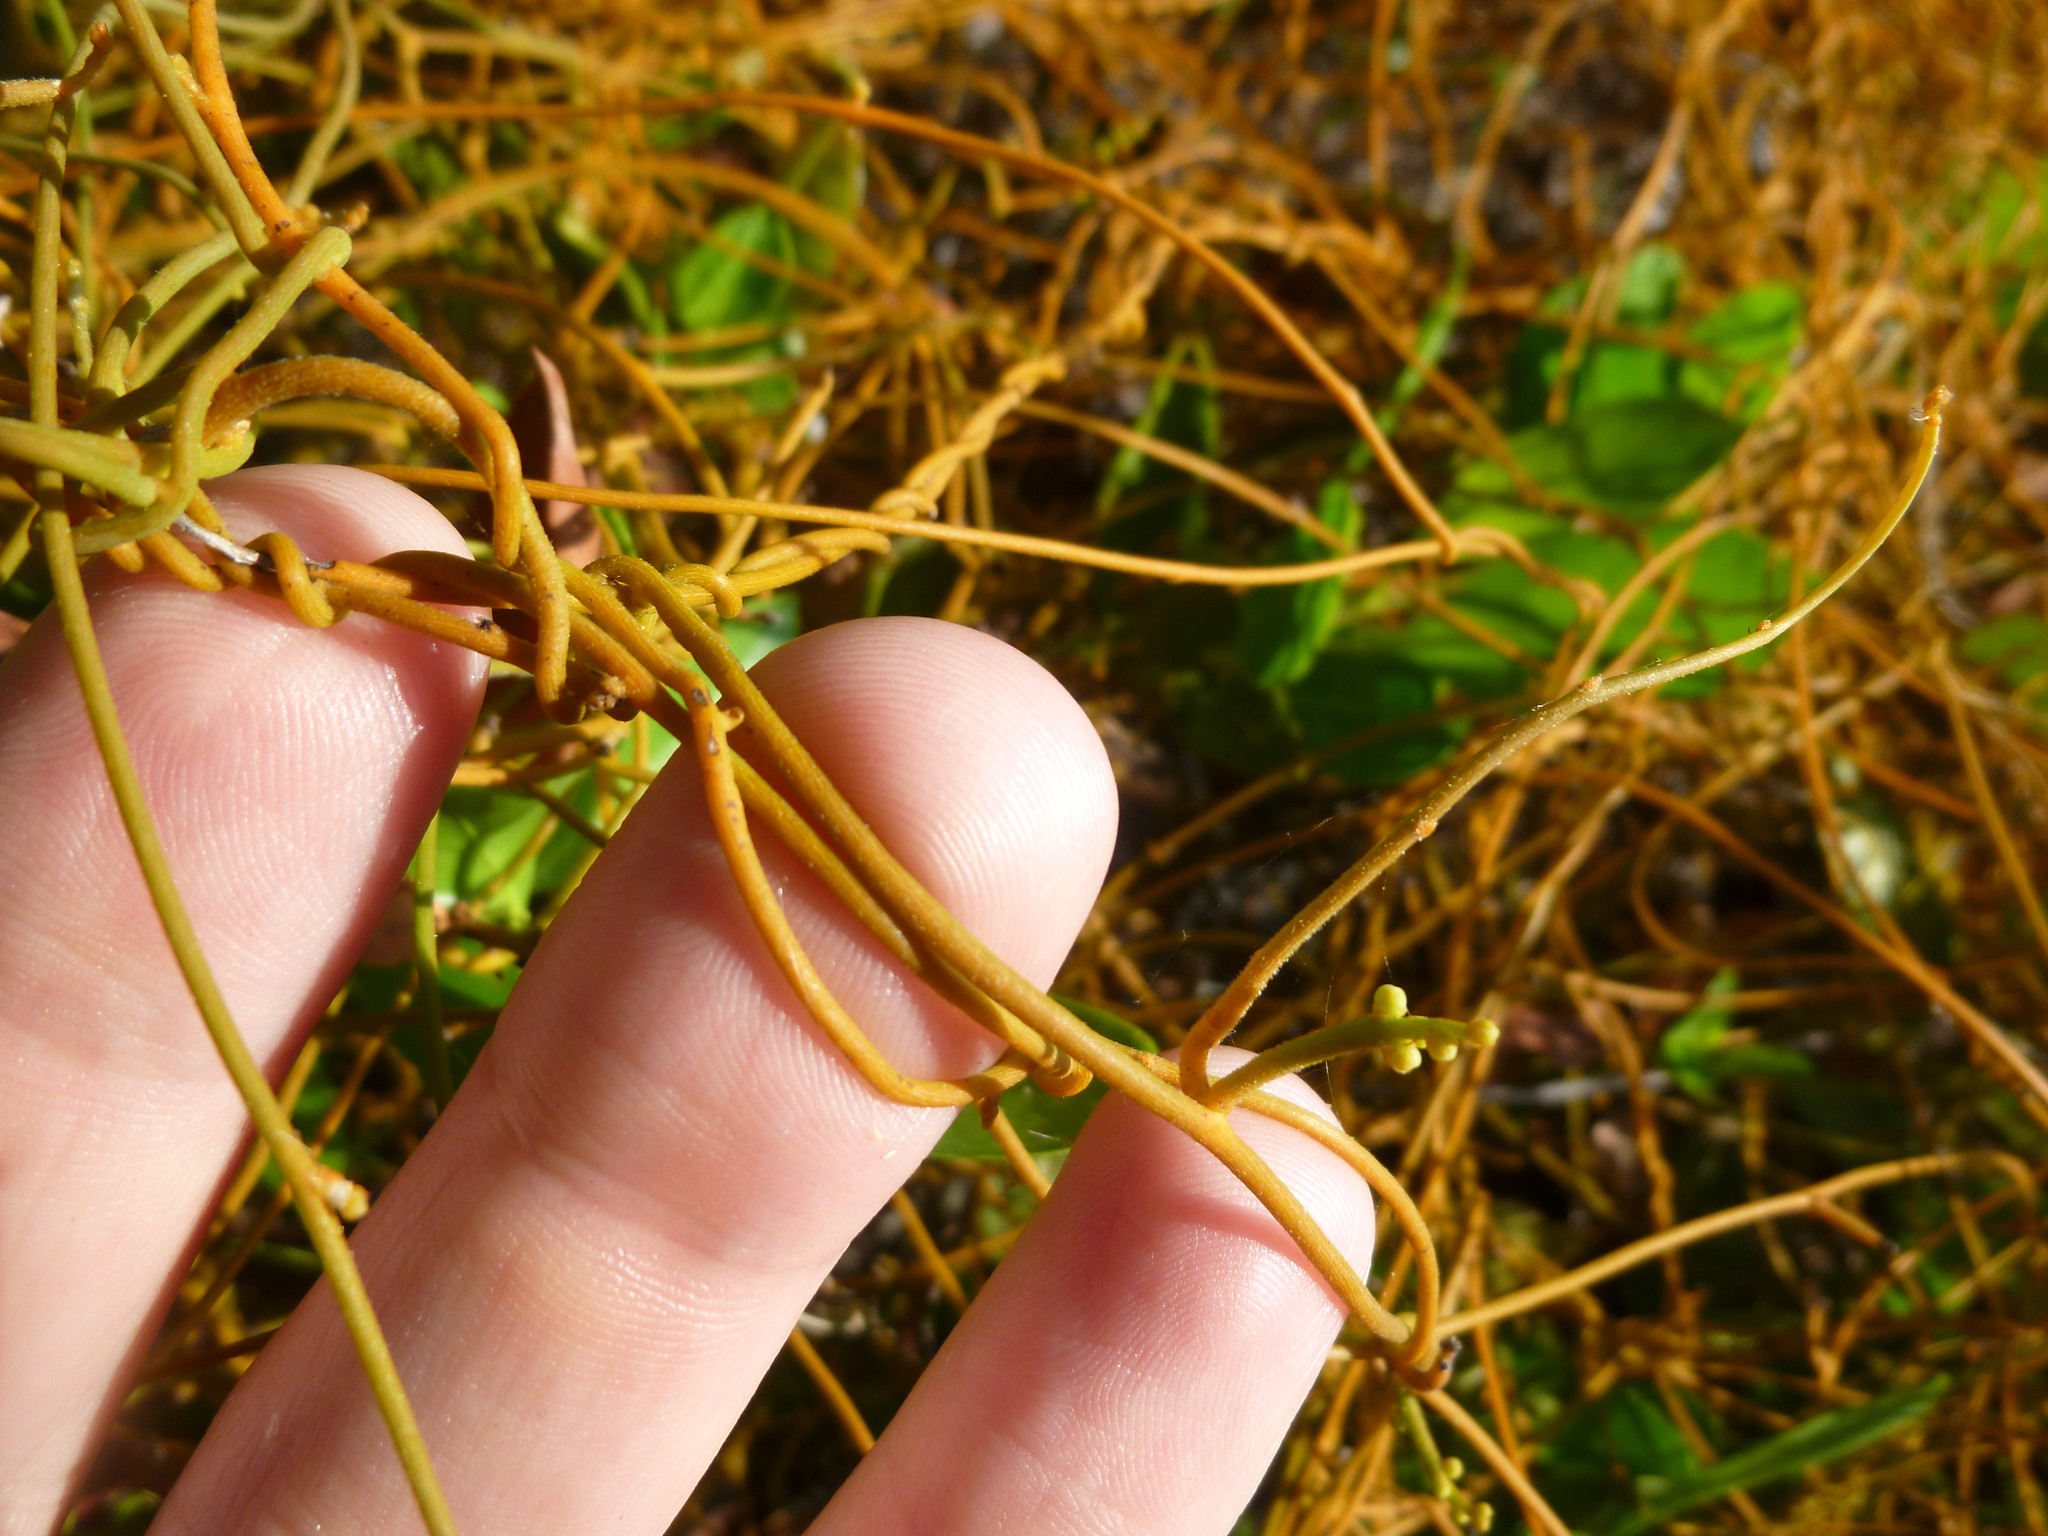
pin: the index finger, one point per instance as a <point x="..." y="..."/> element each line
<point x="291" y="772"/>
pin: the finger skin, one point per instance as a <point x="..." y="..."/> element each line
<point x="291" y="772"/>
<point x="1135" y="1362"/>
<point x="596" y="1254"/>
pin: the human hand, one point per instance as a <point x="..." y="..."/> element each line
<point x="606" y="1239"/>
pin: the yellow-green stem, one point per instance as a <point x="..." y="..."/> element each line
<point x="1334" y="1040"/>
<point x="213" y="166"/>
<point x="110" y="372"/>
<point x="335" y="124"/>
<point x="426" y="954"/>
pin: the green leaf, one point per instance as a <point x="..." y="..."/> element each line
<point x="1444" y="652"/>
<point x="1598" y="557"/>
<point x="1281" y="629"/>
<point x="492" y="395"/>
<point x="1825" y="1438"/>
<point x="1627" y="1428"/>
<point x="1647" y="451"/>
<point x="1614" y="372"/>
<point x="1737" y="581"/>
<point x="1999" y="201"/>
<point x="1045" y="1123"/>
<point x="763" y="624"/>
<point x="1750" y="336"/>
<point x="1110" y="1026"/>
<point x="683" y="130"/>
<point x="565" y="847"/>
<point x="914" y="579"/>
<point x="1629" y="455"/>
<point x="1754" y="333"/>
<point x="710" y="288"/>
<point x="2016" y="644"/>
<point x="1223" y="714"/>
<point x="831" y="170"/>
<point x="1734" y="571"/>
<point x="1349" y="692"/>
<point x="128" y="1514"/>
<point x="1508" y="601"/>
<point x="1177" y="411"/>
<point x="1431" y="338"/>
<point x="1609" y="371"/>
<point x="429" y="163"/>
<point x="1758" y="324"/>
<point x="1739" y="1061"/>
<point x="28" y="591"/>
<point x="2033" y="361"/>
<point x="482" y="832"/>
<point x="463" y="989"/>
<point x="1642" y="1436"/>
<point x="1690" y="1041"/>
<point x="573" y="229"/>
<point x="1694" y="1050"/>
<point x="1485" y="492"/>
<point x="966" y="1138"/>
<point x="1649" y="287"/>
<point x="468" y="990"/>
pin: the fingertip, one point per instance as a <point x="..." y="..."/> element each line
<point x="1010" y="809"/>
<point x="1161" y="1161"/>
<point x="1153" y="1315"/>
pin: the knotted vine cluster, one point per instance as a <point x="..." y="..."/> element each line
<point x="120" y="471"/>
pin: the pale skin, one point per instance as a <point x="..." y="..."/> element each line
<point x="606" y="1239"/>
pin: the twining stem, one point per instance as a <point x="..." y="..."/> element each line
<point x="916" y="916"/>
<point x="110" y="466"/>
<point x="242" y="218"/>
<point x="335" y="124"/>
<point x="321" y="254"/>
<point x="837" y="1398"/>
<point x="1535" y="1508"/>
<point x="110" y="365"/>
<point x="1334" y="1040"/>
<point x="928" y="1249"/>
<point x="274" y="235"/>
<point x="1471" y="543"/>
<point x="1230" y="1007"/>
<point x="728" y="816"/>
<point x="977" y="150"/>
<point x="1797" y="1202"/>
<point x="426" y="958"/>
<point x="1038" y="1031"/>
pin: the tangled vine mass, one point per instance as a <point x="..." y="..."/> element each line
<point x="1453" y="449"/>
